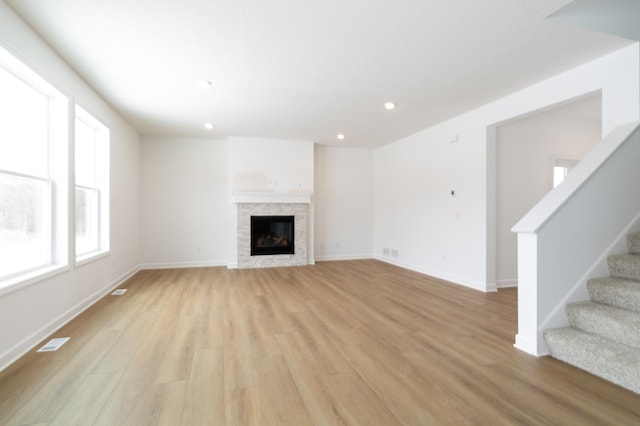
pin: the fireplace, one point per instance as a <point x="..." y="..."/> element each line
<point x="272" y="235"/>
<point x="249" y="207"/>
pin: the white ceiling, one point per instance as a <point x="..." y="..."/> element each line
<point x="308" y="69"/>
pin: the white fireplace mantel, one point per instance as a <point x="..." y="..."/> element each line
<point x="271" y="197"/>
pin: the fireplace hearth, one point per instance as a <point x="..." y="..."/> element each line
<point x="272" y="235"/>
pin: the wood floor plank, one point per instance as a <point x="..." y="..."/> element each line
<point x="456" y="392"/>
<point x="262" y="326"/>
<point x="166" y="404"/>
<point x="205" y="393"/>
<point x="118" y="356"/>
<point x="338" y="343"/>
<point x="281" y="401"/>
<point x="131" y="397"/>
<point x="385" y="373"/>
<point x="306" y="373"/>
<point x="21" y="381"/>
<point x="210" y="332"/>
<point x="87" y="402"/>
<point x="60" y="386"/>
<point x="357" y="403"/>
<point x="177" y="356"/>
<point x="242" y="407"/>
<point x="340" y="326"/>
<point x="314" y="338"/>
<point x="239" y="366"/>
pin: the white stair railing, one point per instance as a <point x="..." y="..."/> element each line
<point x="561" y="238"/>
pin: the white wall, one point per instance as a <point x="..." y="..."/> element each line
<point x="185" y="196"/>
<point x="30" y="313"/>
<point x="343" y="200"/>
<point x="525" y="150"/>
<point x="416" y="215"/>
<point x="188" y="215"/>
<point x="259" y="165"/>
<point x="454" y="237"/>
<point x="187" y="183"/>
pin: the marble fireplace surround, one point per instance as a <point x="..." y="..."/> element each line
<point x="268" y="204"/>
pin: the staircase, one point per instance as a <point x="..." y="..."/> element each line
<point x="604" y="334"/>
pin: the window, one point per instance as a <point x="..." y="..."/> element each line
<point x="33" y="171"/>
<point x="92" y="184"/>
<point x="561" y="169"/>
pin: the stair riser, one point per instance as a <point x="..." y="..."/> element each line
<point x="633" y="243"/>
<point x="608" y="360"/>
<point x="620" y="331"/>
<point x="627" y="267"/>
<point x="623" y="294"/>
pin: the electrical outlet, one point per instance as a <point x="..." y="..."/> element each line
<point x="385" y="251"/>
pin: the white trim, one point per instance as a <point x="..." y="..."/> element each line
<point x="526" y="345"/>
<point x="328" y="258"/>
<point x="476" y="285"/>
<point x="180" y="265"/>
<point x="34" y="277"/>
<point x="507" y="283"/>
<point x="90" y="257"/>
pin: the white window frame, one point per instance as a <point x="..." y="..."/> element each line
<point x="57" y="179"/>
<point x="101" y="188"/>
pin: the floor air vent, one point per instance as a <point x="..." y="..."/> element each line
<point x="54" y="344"/>
<point x="119" y="292"/>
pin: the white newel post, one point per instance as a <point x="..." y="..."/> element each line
<point x="527" y="338"/>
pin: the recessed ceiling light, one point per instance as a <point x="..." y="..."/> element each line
<point x="208" y="126"/>
<point x="389" y="105"/>
<point x="203" y="83"/>
<point x="340" y="136"/>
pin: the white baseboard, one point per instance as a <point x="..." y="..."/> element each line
<point x="27" y="344"/>
<point x="528" y="346"/>
<point x="179" y="265"/>
<point x="330" y="257"/>
<point x="476" y="285"/>
<point x="507" y="283"/>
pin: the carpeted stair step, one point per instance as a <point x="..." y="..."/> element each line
<point x="615" y="292"/>
<point x="625" y="266"/>
<point x="612" y="361"/>
<point x="633" y="243"/>
<point x="617" y="324"/>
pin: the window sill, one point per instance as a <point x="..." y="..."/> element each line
<point x="30" y="278"/>
<point x="33" y="277"/>
<point x="90" y="257"/>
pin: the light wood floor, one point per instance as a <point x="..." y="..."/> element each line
<point x="354" y="342"/>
